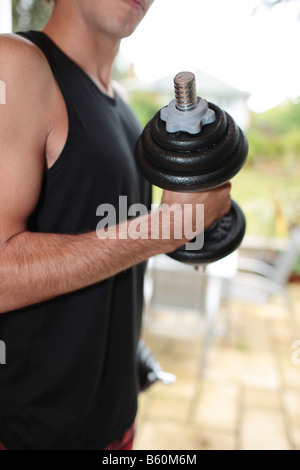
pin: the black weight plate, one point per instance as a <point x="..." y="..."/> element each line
<point x="202" y="159"/>
<point x="222" y="239"/>
<point x="185" y="142"/>
<point x="197" y="180"/>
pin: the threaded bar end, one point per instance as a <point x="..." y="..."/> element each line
<point x="185" y="91"/>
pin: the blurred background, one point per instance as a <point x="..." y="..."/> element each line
<point x="230" y="333"/>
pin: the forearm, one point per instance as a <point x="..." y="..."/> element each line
<point x="35" y="267"/>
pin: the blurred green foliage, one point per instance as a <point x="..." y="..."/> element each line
<point x="274" y="136"/>
<point x="145" y="105"/>
<point x="30" y="14"/>
<point x="268" y="188"/>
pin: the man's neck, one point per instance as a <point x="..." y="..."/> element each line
<point x="94" y="53"/>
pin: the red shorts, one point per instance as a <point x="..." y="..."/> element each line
<point x="123" y="443"/>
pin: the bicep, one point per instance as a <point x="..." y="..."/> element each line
<point x="21" y="151"/>
<point x="20" y="183"/>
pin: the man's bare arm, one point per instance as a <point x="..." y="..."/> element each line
<point x="35" y="267"/>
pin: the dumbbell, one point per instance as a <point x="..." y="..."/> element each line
<point x="193" y="145"/>
<point x="149" y="369"/>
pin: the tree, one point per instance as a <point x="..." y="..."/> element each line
<point x="30" y="14"/>
<point x="274" y="136"/>
<point x="273" y="3"/>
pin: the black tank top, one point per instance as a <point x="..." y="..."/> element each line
<point x="70" y="376"/>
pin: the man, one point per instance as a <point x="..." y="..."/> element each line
<point x="70" y="301"/>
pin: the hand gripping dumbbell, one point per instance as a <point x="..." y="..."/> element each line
<point x="193" y="145"/>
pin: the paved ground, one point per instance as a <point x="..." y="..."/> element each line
<point x="249" y="395"/>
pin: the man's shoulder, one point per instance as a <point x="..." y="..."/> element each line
<point x="13" y="46"/>
<point x="29" y="86"/>
<point x="20" y="58"/>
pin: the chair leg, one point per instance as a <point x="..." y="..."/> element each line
<point x="212" y="306"/>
